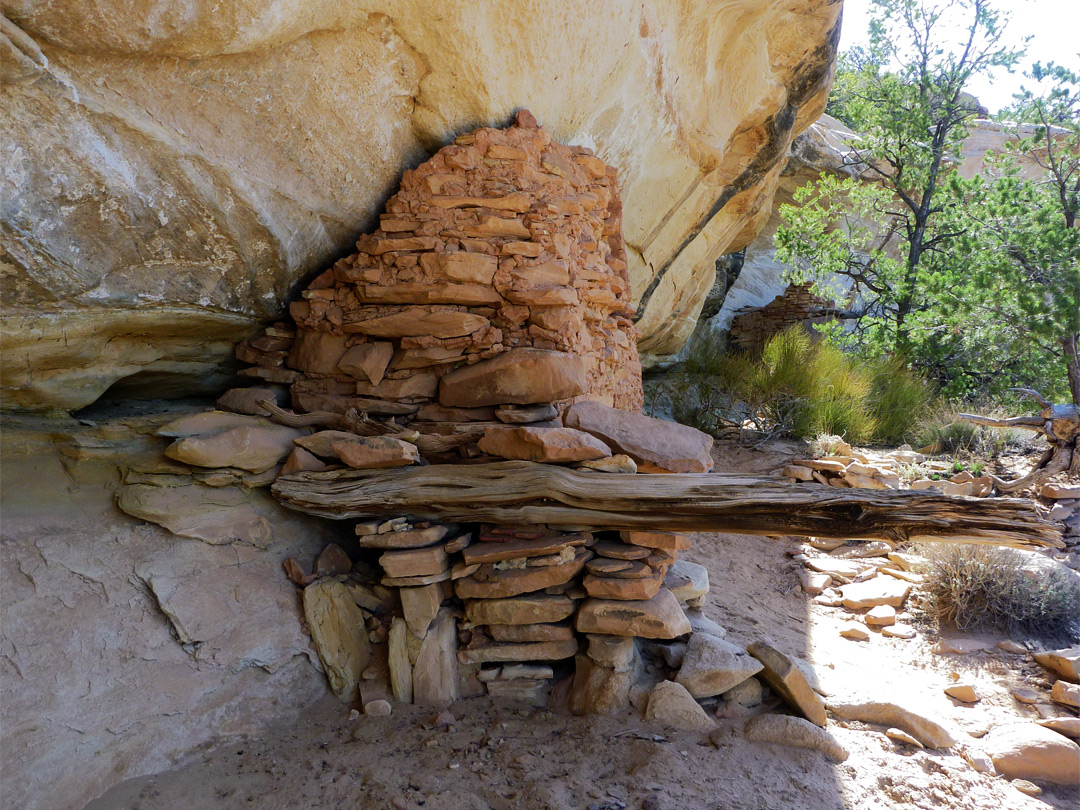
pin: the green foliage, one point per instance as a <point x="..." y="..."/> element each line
<point x="898" y="399"/>
<point x="976" y="283"/>
<point x="798" y="386"/>
<point x="976" y="587"/>
<point x="1021" y="244"/>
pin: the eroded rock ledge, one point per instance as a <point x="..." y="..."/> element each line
<point x="178" y="169"/>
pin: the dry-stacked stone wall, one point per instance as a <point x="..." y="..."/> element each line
<point x="752" y="327"/>
<point x="503" y="242"/>
<point x="487" y="319"/>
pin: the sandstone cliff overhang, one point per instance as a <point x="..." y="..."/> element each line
<point x="177" y="170"/>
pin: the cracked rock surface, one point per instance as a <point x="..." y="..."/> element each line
<point x="124" y="646"/>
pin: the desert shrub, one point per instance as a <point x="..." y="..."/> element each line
<point x="941" y="430"/>
<point x="797" y="386"/>
<point x="978" y="587"/>
<point x="899" y="398"/>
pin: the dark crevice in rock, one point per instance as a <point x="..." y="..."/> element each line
<point x="779" y="129"/>
<point x="728" y="268"/>
<point x="811" y="78"/>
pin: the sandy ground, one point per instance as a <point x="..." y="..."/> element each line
<point x="504" y="757"/>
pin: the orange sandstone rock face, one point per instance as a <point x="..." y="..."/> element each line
<point x="503" y="245"/>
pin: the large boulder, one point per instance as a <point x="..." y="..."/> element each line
<point x="1029" y="751"/>
<point x="712" y="666"/>
<point x="656" y="445"/>
<point x="178" y="167"/>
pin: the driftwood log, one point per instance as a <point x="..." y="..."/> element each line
<point x="523" y="492"/>
<point x="1060" y="424"/>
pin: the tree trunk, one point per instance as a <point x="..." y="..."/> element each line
<point x="522" y="492"/>
<point x="1072" y="366"/>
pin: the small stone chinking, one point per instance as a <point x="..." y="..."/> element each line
<point x="488" y="318"/>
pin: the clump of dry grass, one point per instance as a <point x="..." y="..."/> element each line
<point x="978" y="587"/>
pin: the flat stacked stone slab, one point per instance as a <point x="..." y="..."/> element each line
<point x="659" y="617"/>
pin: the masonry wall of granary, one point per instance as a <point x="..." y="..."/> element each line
<point x="753" y="326"/>
<point x="504" y="240"/>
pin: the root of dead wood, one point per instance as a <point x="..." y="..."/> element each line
<point x="352" y="421"/>
<point x="1060" y="424"/>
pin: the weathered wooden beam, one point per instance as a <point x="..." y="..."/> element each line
<point x="516" y="492"/>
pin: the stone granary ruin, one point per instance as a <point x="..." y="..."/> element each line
<point x="489" y="308"/>
<point x="477" y="345"/>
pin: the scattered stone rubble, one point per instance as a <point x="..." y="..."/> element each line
<point x="847" y="467"/>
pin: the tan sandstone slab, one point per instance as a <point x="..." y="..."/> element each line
<point x="515" y="549"/>
<point x="1064" y="663"/>
<point x="531" y="608"/>
<point x="415" y="562"/>
<point x="247" y="400"/>
<point x="605" y="565"/>
<point x="410" y="538"/>
<point x="874" y="592"/>
<point x="316" y="352"/>
<point x="368" y="361"/>
<point x="337" y="628"/>
<point x="524" y="415"/>
<point x="1065" y="693"/>
<point x="198" y="424"/>
<point x="375" y="452"/>
<point x="659" y="617"/>
<point x="614" y="652"/>
<point x="435" y="673"/>
<point x="668" y="541"/>
<point x="618" y="464"/>
<point x="523" y="376"/>
<point x="1069" y="726"/>
<point x="786" y="680"/>
<point x="421" y="605"/>
<point x="300" y="460"/>
<point x="255" y="449"/>
<point x="599" y="689"/>
<point x="321" y="443"/>
<point x="670" y="704"/>
<point x="550" y="445"/>
<point x="657" y="445"/>
<point x="420" y="322"/>
<point x="611" y="587"/>
<point x="1030" y="751"/>
<point x="687" y="580"/>
<point x="514" y="581"/>
<point x="911" y="719"/>
<point x="401" y="680"/>
<point x="213" y="515"/>
<point x="620" y="551"/>
<point x="712" y="665"/>
<point x="783" y="729"/>
<point x="529" y="651"/>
